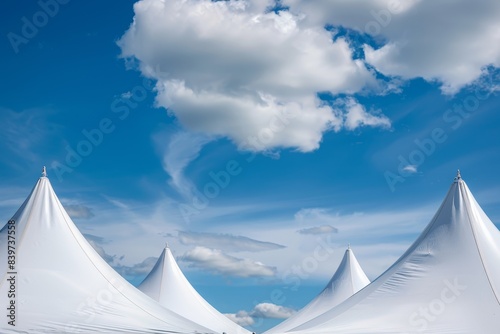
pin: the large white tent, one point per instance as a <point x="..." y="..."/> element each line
<point x="347" y="280"/>
<point x="55" y="282"/>
<point x="167" y="284"/>
<point x="448" y="281"/>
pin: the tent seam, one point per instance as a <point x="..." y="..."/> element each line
<point x="479" y="251"/>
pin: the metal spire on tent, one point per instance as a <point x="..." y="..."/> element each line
<point x="458" y="177"/>
<point x="44" y="172"/>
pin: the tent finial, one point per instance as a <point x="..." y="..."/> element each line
<point x="458" y="177"/>
<point x="349" y="246"/>
<point x="166" y="244"/>
<point x="44" y="172"/>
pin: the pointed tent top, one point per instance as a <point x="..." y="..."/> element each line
<point x="349" y="246"/>
<point x="44" y="172"/>
<point x="458" y="177"/>
<point x="166" y="245"/>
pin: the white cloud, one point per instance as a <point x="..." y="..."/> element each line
<point x="269" y="310"/>
<point x="216" y="261"/>
<point x="323" y="229"/>
<point x="242" y="318"/>
<point x="226" y="242"/>
<point x="234" y="69"/>
<point x="262" y="310"/>
<point x="178" y="150"/>
<point x="446" y="41"/>
<point x="411" y="169"/>
<point x="355" y="115"/>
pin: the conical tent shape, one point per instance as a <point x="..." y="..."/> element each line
<point x="167" y="284"/>
<point x="448" y="281"/>
<point x="347" y="280"/>
<point x="62" y="285"/>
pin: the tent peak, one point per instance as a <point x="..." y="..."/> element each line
<point x="166" y="245"/>
<point x="458" y="177"/>
<point x="44" y="172"/>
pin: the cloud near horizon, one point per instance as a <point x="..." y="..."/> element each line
<point x="226" y="242"/>
<point x="261" y="310"/>
<point x="215" y="261"/>
<point x="323" y="229"/>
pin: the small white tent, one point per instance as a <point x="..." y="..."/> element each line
<point x="53" y="281"/>
<point x="448" y="281"/>
<point x="347" y="280"/>
<point x="167" y="284"/>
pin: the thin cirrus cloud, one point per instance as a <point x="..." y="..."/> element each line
<point x="226" y="242"/>
<point x="234" y="69"/>
<point x="178" y="150"/>
<point x="78" y="211"/>
<point x="217" y="262"/>
<point x="26" y="132"/>
<point x="323" y="229"/>
<point x="449" y="42"/>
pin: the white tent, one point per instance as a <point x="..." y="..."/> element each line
<point x="448" y="281"/>
<point x="167" y="284"/>
<point x="347" y="280"/>
<point x="54" y="282"/>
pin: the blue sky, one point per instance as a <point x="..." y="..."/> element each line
<point x="247" y="134"/>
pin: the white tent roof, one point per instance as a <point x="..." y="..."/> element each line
<point x="63" y="286"/>
<point x="167" y="284"/>
<point x="448" y="281"/>
<point x="347" y="280"/>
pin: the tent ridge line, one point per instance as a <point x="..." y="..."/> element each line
<point x="468" y="208"/>
<point x="99" y="271"/>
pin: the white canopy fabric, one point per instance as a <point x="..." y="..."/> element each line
<point x="347" y="280"/>
<point x="448" y="281"/>
<point x="59" y="284"/>
<point x="167" y="284"/>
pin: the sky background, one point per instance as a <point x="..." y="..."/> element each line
<point x="250" y="135"/>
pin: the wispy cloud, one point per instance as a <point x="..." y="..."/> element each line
<point x="116" y="202"/>
<point x="411" y="169"/>
<point x="178" y="151"/>
<point x="23" y="132"/>
<point x="315" y="215"/>
<point x="226" y="242"/>
<point x="218" y="262"/>
<point x="79" y="211"/>
<point x="323" y="229"/>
